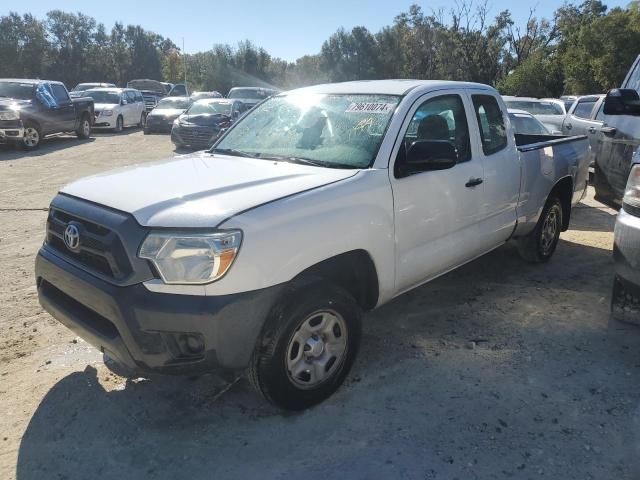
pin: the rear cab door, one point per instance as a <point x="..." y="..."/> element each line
<point x="496" y="148"/>
<point x="438" y="212"/>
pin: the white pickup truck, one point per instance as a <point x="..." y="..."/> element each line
<point x="260" y="254"/>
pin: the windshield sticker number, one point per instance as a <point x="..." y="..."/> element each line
<point x="363" y="107"/>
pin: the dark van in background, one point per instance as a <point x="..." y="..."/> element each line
<point x="618" y="139"/>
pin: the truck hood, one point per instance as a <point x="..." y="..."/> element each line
<point x="12" y="103"/>
<point x="199" y="190"/>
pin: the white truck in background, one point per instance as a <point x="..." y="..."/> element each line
<point x="261" y="254"/>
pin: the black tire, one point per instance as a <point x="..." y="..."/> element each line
<point x="143" y="120"/>
<point x="539" y="245"/>
<point x="84" y="129"/>
<point x="32" y="136"/>
<point x="145" y="131"/>
<point x="119" y="124"/>
<point x="268" y="371"/>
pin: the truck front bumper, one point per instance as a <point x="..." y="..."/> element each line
<point x="154" y="332"/>
<point x="625" y="299"/>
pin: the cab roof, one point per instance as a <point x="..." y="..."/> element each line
<point x="386" y="87"/>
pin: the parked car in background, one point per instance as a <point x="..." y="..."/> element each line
<point x="550" y="112"/>
<point x="262" y="253"/>
<point x="201" y="125"/>
<point x="525" y="123"/>
<point x="618" y="138"/>
<point x="201" y="95"/>
<point x="117" y="108"/>
<point x="251" y="96"/>
<point x="32" y="109"/>
<point x="79" y="89"/>
<point x="585" y="118"/>
<point x="153" y="91"/>
<point x="160" y="119"/>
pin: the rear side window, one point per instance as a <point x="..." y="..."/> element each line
<point x="491" y="123"/>
<point x="584" y="108"/>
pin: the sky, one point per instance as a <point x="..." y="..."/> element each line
<point x="287" y="30"/>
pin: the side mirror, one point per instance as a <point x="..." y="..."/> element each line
<point x="622" y="101"/>
<point x="425" y="155"/>
<point x="123" y="102"/>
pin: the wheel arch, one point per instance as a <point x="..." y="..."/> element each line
<point x="563" y="190"/>
<point x="354" y="271"/>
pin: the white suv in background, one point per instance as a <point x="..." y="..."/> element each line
<point x="116" y="108"/>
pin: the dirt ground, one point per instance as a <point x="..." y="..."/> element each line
<point x="498" y="370"/>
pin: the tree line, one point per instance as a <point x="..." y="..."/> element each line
<point x="584" y="48"/>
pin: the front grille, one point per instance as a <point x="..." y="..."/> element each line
<point x="150" y="102"/>
<point x="197" y="135"/>
<point x="100" y="250"/>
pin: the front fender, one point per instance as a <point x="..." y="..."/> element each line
<point x="285" y="237"/>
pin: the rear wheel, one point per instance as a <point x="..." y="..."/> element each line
<point x="539" y="245"/>
<point x="84" y="129"/>
<point x="308" y="345"/>
<point x="32" y="137"/>
<point x="119" y="125"/>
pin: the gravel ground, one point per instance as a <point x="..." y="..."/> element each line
<point x="497" y="370"/>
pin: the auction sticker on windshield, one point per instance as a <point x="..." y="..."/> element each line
<point x="364" y="107"/>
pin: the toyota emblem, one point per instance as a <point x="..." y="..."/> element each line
<point x="72" y="237"/>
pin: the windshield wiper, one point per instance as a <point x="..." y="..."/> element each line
<point x="307" y="161"/>
<point x="231" y="151"/>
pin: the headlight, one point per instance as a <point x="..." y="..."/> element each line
<point x="632" y="190"/>
<point x="191" y="258"/>
<point x="107" y="113"/>
<point x="9" y="115"/>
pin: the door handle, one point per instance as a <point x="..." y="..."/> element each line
<point x="473" y="182"/>
<point x="609" y="131"/>
<point x="568" y="126"/>
<point x="592" y="129"/>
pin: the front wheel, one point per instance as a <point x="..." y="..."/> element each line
<point x="32" y="137"/>
<point x="143" y="120"/>
<point x="539" y="245"/>
<point x="309" y="343"/>
<point x="119" y="125"/>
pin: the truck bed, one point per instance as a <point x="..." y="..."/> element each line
<point x="546" y="160"/>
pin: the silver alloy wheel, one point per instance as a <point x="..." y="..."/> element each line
<point x="31" y="137"/>
<point x="143" y="120"/>
<point x="119" y="124"/>
<point x="316" y="349"/>
<point x="549" y="230"/>
<point x="86" y="128"/>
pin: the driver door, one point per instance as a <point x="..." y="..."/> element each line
<point x="437" y="213"/>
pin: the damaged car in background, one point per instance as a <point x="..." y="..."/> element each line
<point x="204" y="121"/>
<point x="32" y="109"/>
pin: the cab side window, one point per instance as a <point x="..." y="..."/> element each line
<point x="491" y="123"/>
<point x="440" y="119"/>
<point x="584" y="107"/>
<point x="131" y="97"/>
